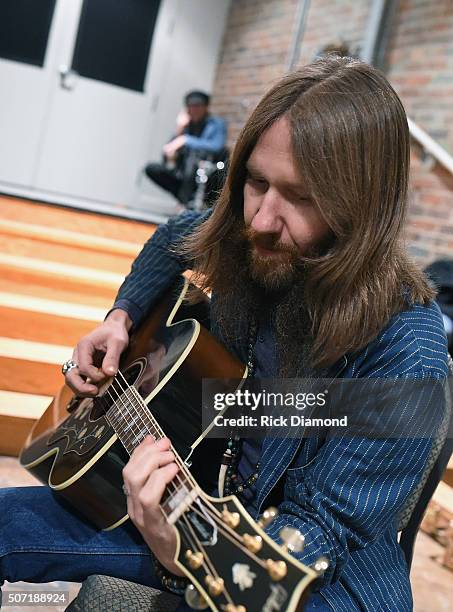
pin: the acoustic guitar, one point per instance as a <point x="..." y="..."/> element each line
<point x="80" y="446"/>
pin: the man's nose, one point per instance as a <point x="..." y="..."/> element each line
<point x="267" y="218"/>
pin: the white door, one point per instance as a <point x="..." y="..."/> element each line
<point x="191" y="63"/>
<point x="101" y="104"/>
<point x="25" y="81"/>
<point x="79" y="125"/>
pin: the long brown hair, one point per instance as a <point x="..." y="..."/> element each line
<point x="351" y="144"/>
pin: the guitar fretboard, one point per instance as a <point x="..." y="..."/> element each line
<point x="132" y="421"/>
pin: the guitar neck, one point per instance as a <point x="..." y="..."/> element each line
<point x="132" y="421"/>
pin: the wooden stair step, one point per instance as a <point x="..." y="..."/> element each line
<point x="53" y="283"/>
<point x="23" y="405"/>
<point x="19" y="246"/>
<point x="34" y="351"/>
<point x="88" y="276"/>
<point x="18" y="414"/>
<point x="31" y="367"/>
<point x="54" y="275"/>
<point x="30" y="376"/>
<point x="43" y="327"/>
<point x="68" y="237"/>
<point x="58" y="292"/>
<point x="84" y="222"/>
<point x="52" y="307"/>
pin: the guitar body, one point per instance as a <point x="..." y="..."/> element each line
<point x="74" y="447"/>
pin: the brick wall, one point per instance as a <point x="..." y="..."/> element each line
<point x="420" y="67"/>
<point x="255" y="54"/>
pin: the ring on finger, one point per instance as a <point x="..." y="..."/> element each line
<point x="68" y="366"/>
<point x="126" y="491"/>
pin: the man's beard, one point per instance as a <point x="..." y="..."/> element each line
<point x="246" y="284"/>
<point x="274" y="272"/>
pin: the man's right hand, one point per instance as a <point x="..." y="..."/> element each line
<point x="182" y="121"/>
<point x="102" y="347"/>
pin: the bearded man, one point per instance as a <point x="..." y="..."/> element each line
<point x="304" y="259"/>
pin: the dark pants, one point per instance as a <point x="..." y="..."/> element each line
<point x="42" y="540"/>
<point x="164" y="177"/>
<point x="184" y="191"/>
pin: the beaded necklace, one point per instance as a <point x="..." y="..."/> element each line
<point x="232" y="453"/>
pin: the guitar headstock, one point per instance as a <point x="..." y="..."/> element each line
<point x="234" y="566"/>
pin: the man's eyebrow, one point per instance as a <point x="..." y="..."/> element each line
<point x="297" y="189"/>
<point x="251" y="168"/>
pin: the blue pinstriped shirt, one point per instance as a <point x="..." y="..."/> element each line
<point x="344" y="494"/>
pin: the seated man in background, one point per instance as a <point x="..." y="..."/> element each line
<point x="199" y="135"/>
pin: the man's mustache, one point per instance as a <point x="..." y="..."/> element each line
<point x="268" y="240"/>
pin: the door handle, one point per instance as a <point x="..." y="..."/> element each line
<point x="68" y="77"/>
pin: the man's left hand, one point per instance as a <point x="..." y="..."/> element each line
<point x="146" y="476"/>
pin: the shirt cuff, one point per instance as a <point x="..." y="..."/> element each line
<point x="133" y="310"/>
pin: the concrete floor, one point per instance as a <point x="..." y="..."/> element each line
<point x="432" y="584"/>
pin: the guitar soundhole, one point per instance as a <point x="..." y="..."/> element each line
<point x="101" y="404"/>
<point x="73" y="403"/>
<point x="117" y="387"/>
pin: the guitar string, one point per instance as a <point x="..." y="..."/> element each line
<point x="132" y="418"/>
<point x="188" y="476"/>
<point x="190" y="542"/>
<point x="196" y="544"/>
<point x="239" y="542"/>
<point x="133" y="394"/>
<point x="208" y="561"/>
<point x="129" y="414"/>
<point x="172" y="484"/>
<point x="142" y="404"/>
<point x="128" y="395"/>
<point x="186" y="473"/>
<point x="214" y="513"/>
<point x="202" y="547"/>
<point x="183" y="516"/>
<point x="126" y="392"/>
<point x="177" y="490"/>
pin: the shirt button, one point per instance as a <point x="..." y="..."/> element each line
<point x="261" y="338"/>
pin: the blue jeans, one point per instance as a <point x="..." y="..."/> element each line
<point x="42" y="540"/>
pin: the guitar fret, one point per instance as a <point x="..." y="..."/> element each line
<point x="136" y="441"/>
<point x="131" y="423"/>
<point x="131" y="420"/>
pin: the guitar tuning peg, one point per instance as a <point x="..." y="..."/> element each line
<point x="276" y="569"/>
<point x="195" y="560"/>
<point x="194" y="599"/>
<point x="293" y="539"/>
<point x="252" y="543"/>
<point x="320" y="565"/>
<point x="232" y="519"/>
<point x="267" y="517"/>
<point x="215" y="585"/>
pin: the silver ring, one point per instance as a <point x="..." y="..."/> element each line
<point x="126" y="491"/>
<point x="68" y="366"/>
